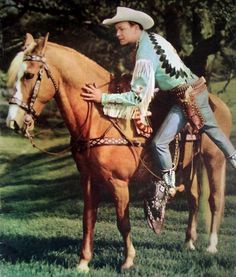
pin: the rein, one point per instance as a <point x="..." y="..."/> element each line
<point x="28" y="107"/>
<point x="74" y="143"/>
<point x="30" y="137"/>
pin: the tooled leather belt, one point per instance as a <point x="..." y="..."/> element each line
<point x="197" y="87"/>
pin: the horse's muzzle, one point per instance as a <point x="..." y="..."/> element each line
<point x="21" y="123"/>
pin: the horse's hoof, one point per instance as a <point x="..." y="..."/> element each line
<point x="82" y="268"/>
<point x="127" y="265"/>
<point x="212" y="249"/>
<point x="190" y="246"/>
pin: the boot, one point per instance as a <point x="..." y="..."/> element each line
<point x="155" y="203"/>
<point x="232" y="160"/>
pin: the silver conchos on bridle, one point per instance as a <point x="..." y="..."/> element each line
<point x="28" y="107"/>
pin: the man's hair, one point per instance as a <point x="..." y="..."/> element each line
<point x="132" y="23"/>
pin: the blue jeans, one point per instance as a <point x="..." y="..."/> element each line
<point x="176" y="120"/>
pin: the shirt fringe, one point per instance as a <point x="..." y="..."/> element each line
<point x="143" y="68"/>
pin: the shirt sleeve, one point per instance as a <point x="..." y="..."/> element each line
<point x="143" y="71"/>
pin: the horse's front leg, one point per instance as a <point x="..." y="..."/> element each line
<point x="120" y="192"/>
<point x="193" y="193"/>
<point x="191" y="181"/>
<point x="91" y="201"/>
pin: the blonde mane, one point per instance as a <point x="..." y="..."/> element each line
<point x="14" y="68"/>
<point x="19" y="58"/>
<point x="16" y="64"/>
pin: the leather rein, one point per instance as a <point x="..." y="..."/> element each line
<point x="79" y="143"/>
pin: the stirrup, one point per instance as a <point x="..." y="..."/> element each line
<point x="169" y="177"/>
<point x="232" y="160"/>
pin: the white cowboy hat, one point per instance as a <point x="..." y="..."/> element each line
<point x="127" y="14"/>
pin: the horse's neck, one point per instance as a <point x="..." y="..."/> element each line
<point x="74" y="70"/>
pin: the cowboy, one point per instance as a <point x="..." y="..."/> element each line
<point x="157" y="63"/>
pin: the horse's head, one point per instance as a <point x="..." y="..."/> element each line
<point x="32" y="83"/>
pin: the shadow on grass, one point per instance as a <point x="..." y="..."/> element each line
<point x="38" y="182"/>
<point x="29" y="248"/>
<point x="39" y="179"/>
<point x="65" y="251"/>
<point x="62" y="251"/>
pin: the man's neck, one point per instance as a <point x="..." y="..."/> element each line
<point x="138" y="36"/>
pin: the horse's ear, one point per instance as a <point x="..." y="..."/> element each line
<point x="29" y="40"/>
<point x="45" y="40"/>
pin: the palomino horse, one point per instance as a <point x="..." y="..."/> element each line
<point x="44" y="70"/>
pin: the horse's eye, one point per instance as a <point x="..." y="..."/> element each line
<point x="28" y="75"/>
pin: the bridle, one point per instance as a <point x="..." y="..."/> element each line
<point x="31" y="114"/>
<point x="29" y="107"/>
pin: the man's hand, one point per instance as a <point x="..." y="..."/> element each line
<point x="91" y="93"/>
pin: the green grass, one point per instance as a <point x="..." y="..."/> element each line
<point x="41" y="220"/>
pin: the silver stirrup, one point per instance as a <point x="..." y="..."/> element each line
<point x="232" y="160"/>
<point x="169" y="177"/>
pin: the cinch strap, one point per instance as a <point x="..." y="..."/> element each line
<point x="82" y="145"/>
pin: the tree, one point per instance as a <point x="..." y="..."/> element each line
<point x="197" y="29"/>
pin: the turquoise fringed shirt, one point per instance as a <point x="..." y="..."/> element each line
<point x="157" y="65"/>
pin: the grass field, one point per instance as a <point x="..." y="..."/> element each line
<point x="41" y="219"/>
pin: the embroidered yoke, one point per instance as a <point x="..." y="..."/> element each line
<point x="157" y="65"/>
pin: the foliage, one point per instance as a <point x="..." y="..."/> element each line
<point x="197" y="29"/>
<point x="3" y="78"/>
<point x="4" y="92"/>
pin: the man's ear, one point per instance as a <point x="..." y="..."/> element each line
<point x="138" y="27"/>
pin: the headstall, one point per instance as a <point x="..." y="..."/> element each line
<point x="29" y="106"/>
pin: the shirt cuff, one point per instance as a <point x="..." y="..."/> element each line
<point x="104" y="99"/>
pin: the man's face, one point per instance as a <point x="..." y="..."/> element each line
<point x="127" y="33"/>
